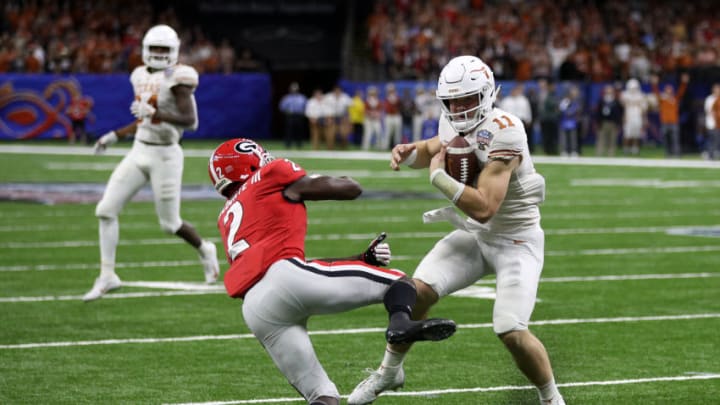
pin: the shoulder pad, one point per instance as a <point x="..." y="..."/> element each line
<point x="508" y="135"/>
<point x="183" y="74"/>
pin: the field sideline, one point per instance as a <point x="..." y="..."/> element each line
<point x="628" y="302"/>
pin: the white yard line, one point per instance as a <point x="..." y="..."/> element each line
<point x="187" y="288"/>
<point x="352" y="331"/>
<point x="416" y="235"/>
<point x="450" y="391"/>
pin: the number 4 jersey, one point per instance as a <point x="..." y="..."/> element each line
<point x="259" y="226"/>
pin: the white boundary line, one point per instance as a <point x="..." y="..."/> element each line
<point x="354" y="331"/>
<point x="359" y="155"/>
<point x="432" y="393"/>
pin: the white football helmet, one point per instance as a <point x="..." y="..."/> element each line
<point x="161" y="36"/>
<point x="461" y="77"/>
<point x="633" y="85"/>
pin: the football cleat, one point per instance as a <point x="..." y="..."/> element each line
<point x="380" y="380"/>
<point x="558" y="400"/>
<point x="103" y="284"/>
<point x="208" y="258"/>
<point x="414" y="331"/>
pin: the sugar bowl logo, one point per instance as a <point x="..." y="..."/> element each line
<point x="483" y="138"/>
<point x="27" y="114"/>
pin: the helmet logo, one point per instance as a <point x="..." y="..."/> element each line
<point x="246" y="147"/>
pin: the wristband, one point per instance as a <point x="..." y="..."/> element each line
<point x="452" y="188"/>
<point x="412" y="157"/>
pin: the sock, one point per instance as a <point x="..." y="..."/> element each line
<point x="400" y="297"/>
<point x="109" y="231"/>
<point x="392" y="359"/>
<point x="548" y="391"/>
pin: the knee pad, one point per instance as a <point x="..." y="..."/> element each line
<point x="507" y="322"/>
<point x="170" y="227"/>
<point x="106" y="210"/>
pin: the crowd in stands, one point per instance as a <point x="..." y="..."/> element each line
<point x="559" y="39"/>
<point x="101" y="37"/>
<point x="557" y="119"/>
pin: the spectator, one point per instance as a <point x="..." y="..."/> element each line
<point x="372" y="127"/>
<point x="517" y="103"/>
<point x="712" y="123"/>
<point x="316" y="113"/>
<point x="420" y="111"/>
<point x="571" y="112"/>
<point x="357" y="116"/>
<point x="338" y="123"/>
<point x="407" y="110"/>
<point x="549" y="116"/>
<point x="292" y="106"/>
<point x="79" y="111"/>
<point x="669" y="106"/>
<point x="392" y="119"/>
<point x="608" y="115"/>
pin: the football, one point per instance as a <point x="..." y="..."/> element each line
<point x="461" y="163"/>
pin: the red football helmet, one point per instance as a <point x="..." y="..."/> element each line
<point x="235" y="161"/>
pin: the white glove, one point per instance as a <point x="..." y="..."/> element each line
<point x="383" y="254"/>
<point x="104" y="141"/>
<point x="142" y="109"/>
<point x="378" y="253"/>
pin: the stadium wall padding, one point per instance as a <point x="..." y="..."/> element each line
<point x="35" y="106"/>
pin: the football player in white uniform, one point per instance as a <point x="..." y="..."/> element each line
<point x="164" y="106"/>
<point x="502" y="234"/>
<point x="635" y="105"/>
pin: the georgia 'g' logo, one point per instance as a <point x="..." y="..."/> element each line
<point x="246" y="147"/>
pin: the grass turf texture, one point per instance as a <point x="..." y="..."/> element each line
<point x="51" y="251"/>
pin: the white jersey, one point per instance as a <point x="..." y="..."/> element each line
<point x="501" y="136"/>
<point x="155" y="88"/>
<point x="636" y="104"/>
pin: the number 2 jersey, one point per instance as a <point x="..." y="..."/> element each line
<point x="155" y="88"/>
<point x="259" y="226"/>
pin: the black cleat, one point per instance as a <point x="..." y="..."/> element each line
<point x="414" y="331"/>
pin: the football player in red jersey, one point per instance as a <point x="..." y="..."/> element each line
<point x="263" y="227"/>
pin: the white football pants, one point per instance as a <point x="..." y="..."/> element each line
<point x="276" y="310"/>
<point x="461" y="258"/>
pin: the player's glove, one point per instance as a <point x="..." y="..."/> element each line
<point x="142" y="109"/>
<point x="378" y="252"/>
<point x="104" y="141"/>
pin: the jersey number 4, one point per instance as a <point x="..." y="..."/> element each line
<point x="234" y="215"/>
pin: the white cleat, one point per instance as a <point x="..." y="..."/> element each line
<point x="208" y="258"/>
<point x="558" y="400"/>
<point x="103" y="284"/>
<point x="380" y="380"/>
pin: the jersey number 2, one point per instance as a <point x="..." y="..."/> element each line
<point x="235" y="214"/>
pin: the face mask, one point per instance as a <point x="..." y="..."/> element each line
<point x="608" y="98"/>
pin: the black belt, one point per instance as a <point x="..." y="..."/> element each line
<point x="154" y="143"/>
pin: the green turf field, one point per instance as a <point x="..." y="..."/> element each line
<point x="629" y="303"/>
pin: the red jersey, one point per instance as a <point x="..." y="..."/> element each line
<point x="259" y="226"/>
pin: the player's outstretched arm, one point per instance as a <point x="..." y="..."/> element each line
<point x="320" y="187"/>
<point x="416" y="155"/>
<point x="111" y="137"/>
<point x="377" y="254"/>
